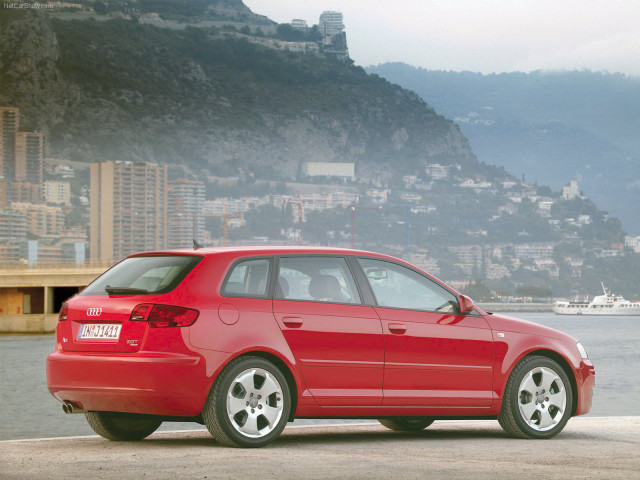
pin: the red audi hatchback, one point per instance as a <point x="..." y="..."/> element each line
<point x="245" y="339"/>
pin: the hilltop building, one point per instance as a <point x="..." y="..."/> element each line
<point x="571" y="190"/>
<point x="299" y="24"/>
<point x="632" y="241"/>
<point x="128" y="209"/>
<point x="330" y="25"/>
<point x="329" y="169"/>
<point x="334" y="39"/>
<point x="437" y="171"/>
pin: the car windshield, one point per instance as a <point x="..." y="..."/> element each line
<point x="143" y="275"/>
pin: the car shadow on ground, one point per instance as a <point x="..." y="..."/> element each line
<point x="293" y="437"/>
<point x="296" y="437"/>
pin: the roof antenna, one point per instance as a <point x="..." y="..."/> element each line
<point x="196" y="245"/>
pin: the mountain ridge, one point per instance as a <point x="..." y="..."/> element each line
<point x="210" y="100"/>
<point x="549" y="126"/>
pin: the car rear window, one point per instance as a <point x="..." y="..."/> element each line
<point x="143" y="275"/>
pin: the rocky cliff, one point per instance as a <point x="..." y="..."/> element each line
<point x="207" y="100"/>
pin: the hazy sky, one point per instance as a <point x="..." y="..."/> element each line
<point x="481" y="35"/>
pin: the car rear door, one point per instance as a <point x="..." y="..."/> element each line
<point x="433" y="355"/>
<point x="336" y="340"/>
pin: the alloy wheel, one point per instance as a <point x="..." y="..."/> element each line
<point x="254" y="403"/>
<point x="542" y="398"/>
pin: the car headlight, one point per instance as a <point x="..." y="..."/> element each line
<point x="581" y="350"/>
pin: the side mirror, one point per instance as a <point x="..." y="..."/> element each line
<point x="466" y="304"/>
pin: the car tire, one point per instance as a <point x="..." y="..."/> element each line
<point x="249" y="403"/>
<point x="538" y="399"/>
<point x="122" y="426"/>
<point x="406" y="424"/>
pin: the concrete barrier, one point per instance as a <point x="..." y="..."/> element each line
<point x="28" y="323"/>
<point x="605" y="447"/>
<point x="516" y="307"/>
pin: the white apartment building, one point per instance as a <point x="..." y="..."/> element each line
<point x="57" y="192"/>
<point x="437" y="171"/>
<point x="329" y="169"/>
<point x="299" y="24"/>
<point x="571" y="190"/>
<point x="330" y="25"/>
<point x="632" y="241"/>
<point x="534" y="250"/>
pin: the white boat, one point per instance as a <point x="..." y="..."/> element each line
<point x="607" y="304"/>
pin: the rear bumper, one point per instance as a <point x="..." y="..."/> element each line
<point x="155" y="383"/>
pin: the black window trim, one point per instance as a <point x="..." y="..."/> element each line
<point x="366" y="293"/>
<point x="268" y="295"/>
<point x="320" y="255"/>
<point x="409" y="267"/>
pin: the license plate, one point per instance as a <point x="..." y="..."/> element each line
<point x="100" y="331"/>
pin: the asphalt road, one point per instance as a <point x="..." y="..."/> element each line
<point x="598" y="448"/>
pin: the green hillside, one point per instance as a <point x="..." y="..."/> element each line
<point x="212" y="99"/>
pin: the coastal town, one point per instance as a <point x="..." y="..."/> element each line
<point x="58" y="211"/>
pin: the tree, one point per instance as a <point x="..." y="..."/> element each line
<point x="100" y="8"/>
<point x="532" y="291"/>
<point x="313" y="35"/>
<point x="267" y="221"/>
<point x="290" y="34"/>
<point x="478" y="291"/>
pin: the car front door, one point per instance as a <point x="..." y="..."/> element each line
<point x="433" y="355"/>
<point x="337" y="341"/>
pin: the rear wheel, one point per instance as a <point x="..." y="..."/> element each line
<point x="537" y="400"/>
<point x="249" y="403"/>
<point x="406" y="424"/>
<point x="122" y="426"/>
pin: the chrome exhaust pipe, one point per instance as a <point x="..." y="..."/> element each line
<point x="68" y="408"/>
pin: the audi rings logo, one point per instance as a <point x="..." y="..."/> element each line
<point x="94" y="312"/>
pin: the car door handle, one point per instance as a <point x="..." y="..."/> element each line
<point x="292" y="322"/>
<point x="398" y="328"/>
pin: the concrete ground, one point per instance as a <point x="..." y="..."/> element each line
<point x="589" y="447"/>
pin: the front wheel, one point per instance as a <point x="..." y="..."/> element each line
<point x="249" y="403"/>
<point x="122" y="426"/>
<point x="406" y="424"/>
<point x="537" y="400"/>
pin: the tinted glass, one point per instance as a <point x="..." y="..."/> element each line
<point x="319" y="279"/>
<point x="397" y="286"/>
<point x="248" y="278"/>
<point x="143" y="275"/>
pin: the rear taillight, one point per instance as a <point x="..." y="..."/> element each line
<point x="164" y="316"/>
<point x="141" y="312"/>
<point x="62" y="316"/>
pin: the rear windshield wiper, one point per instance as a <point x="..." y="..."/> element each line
<point x="124" y="290"/>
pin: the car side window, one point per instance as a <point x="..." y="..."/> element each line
<point x="248" y="278"/>
<point x="397" y="286"/>
<point x="318" y="279"/>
